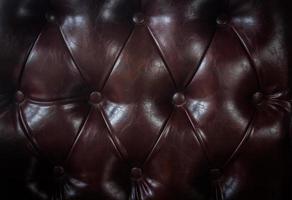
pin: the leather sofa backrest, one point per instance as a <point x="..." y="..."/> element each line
<point x="144" y="100"/>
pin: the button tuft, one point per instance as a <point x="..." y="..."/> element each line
<point x="215" y="174"/>
<point x="95" y="97"/>
<point x="59" y="171"/>
<point x="19" y="96"/>
<point x="50" y="17"/>
<point x="136" y="173"/>
<point x="222" y="19"/>
<point x="179" y="99"/>
<point x="258" y="98"/>
<point x="138" y="18"/>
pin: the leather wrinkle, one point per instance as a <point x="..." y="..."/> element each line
<point x="58" y="101"/>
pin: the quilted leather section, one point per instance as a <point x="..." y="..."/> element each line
<point x="145" y="100"/>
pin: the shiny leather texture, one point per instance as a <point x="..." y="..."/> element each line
<point x="145" y="99"/>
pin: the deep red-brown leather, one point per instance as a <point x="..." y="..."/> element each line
<point x="145" y="99"/>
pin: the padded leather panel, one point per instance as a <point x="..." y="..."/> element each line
<point x="145" y="99"/>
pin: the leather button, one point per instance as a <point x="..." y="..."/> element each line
<point x="136" y="173"/>
<point x="258" y="98"/>
<point x="50" y="17"/>
<point x="215" y="174"/>
<point x="222" y="19"/>
<point x="179" y="99"/>
<point x="95" y="97"/>
<point x="19" y="96"/>
<point x="138" y="18"/>
<point x="59" y="171"/>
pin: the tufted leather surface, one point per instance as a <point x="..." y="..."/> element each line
<point x="145" y="100"/>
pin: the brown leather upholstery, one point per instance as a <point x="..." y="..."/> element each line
<point x="145" y="99"/>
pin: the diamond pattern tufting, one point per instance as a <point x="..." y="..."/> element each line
<point x="140" y="100"/>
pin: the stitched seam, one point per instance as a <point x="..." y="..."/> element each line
<point x="117" y="58"/>
<point x="247" y="133"/>
<point x="64" y="39"/>
<point x="193" y="74"/>
<point x="198" y="135"/>
<point x="158" y="48"/>
<point x="162" y="132"/>
<point x="79" y="133"/>
<point x="27" y="132"/>
<point x="220" y="191"/>
<point x="122" y="152"/>
<point x="27" y="57"/>
<point x="60" y="101"/>
<point x="248" y="53"/>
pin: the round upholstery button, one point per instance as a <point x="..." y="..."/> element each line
<point x="222" y="19"/>
<point x="19" y="96"/>
<point x="215" y="174"/>
<point x="258" y="98"/>
<point x="138" y="18"/>
<point x="179" y="99"/>
<point x="136" y="173"/>
<point x="59" y="171"/>
<point x="95" y="97"/>
<point x="50" y="17"/>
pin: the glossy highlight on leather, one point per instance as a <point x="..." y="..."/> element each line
<point x="145" y="100"/>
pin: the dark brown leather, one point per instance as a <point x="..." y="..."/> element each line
<point x="145" y="100"/>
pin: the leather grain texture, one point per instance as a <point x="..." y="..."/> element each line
<point x="145" y="99"/>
